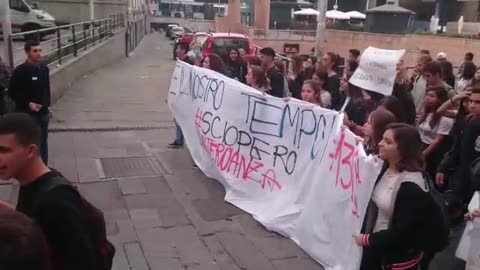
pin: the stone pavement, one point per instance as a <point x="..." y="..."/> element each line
<point x="161" y="213"/>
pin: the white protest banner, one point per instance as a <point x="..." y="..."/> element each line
<point x="377" y="70"/>
<point x="289" y="164"/>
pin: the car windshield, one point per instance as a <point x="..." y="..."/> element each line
<point x="177" y="29"/>
<point x="228" y="42"/>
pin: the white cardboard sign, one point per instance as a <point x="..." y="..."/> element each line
<point x="377" y="70"/>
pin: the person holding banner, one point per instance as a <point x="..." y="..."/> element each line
<point x="401" y="222"/>
<point x="182" y="55"/>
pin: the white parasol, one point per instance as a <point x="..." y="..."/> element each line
<point x="306" y="12"/>
<point x="337" y="15"/>
<point x="356" y="15"/>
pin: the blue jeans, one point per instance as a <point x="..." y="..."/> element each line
<point x="178" y="133"/>
<point x="43" y="120"/>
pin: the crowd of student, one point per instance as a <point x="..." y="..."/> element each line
<point x="427" y="130"/>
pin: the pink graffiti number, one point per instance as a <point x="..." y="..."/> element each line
<point x="351" y="161"/>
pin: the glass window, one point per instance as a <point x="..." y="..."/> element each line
<point x="227" y="43"/>
<point x="19" y="5"/>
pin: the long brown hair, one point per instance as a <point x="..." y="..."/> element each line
<point x="380" y="119"/>
<point x="259" y="76"/>
<point x="335" y="59"/>
<point x="217" y="64"/>
<point x="297" y="64"/>
<point x="442" y="96"/>
<point x="409" y="145"/>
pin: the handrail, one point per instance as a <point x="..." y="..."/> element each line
<point x="69" y="39"/>
<point x="49" y="29"/>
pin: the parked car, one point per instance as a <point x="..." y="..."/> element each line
<point x="28" y="18"/>
<point x="169" y="29"/>
<point x="218" y="42"/>
<point x="177" y="32"/>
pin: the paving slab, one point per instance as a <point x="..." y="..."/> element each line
<point x="135" y="256"/>
<point x="145" y="218"/>
<point x="243" y="252"/>
<point x="104" y="195"/>
<point x="130" y="186"/>
<point x="219" y="254"/>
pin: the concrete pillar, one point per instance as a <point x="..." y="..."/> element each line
<point x="261" y="18"/>
<point x="234" y="15"/>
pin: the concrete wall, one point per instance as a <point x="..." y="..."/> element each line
<point x="63" y="77"/>
<point x="71" y="11"/>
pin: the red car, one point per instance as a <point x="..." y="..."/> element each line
<point x="216" y="42"/>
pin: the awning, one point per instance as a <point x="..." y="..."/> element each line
<point x="356" y="15"/>
<point x="306" y="12"/>
<point x="337" y="15"/>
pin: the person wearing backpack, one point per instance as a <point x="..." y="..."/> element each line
<point x="404" y="224"/>
<point x="47" y="197"/>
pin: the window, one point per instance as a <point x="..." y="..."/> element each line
<point x="227" y="43"/>
<point x="19" y="5"/>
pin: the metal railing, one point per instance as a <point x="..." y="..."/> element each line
<point x="297" y="35"/>
<point x="68" y="40"/>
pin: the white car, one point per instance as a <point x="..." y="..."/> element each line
<point x="177" y="32"/>
<point x="25" y="18"/>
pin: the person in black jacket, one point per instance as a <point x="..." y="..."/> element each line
<point x="30" y="90"/>
<point x="466" y="150"/>
<point x="297" y="77"/>
<point x="399" y="222"/>
<point x="277" y="81"/>
<point x="330" y="62"/>
<point x="56" y="211"/>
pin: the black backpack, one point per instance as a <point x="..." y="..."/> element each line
<point x="439" y="217"/>
<point x="94" y="219"/>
